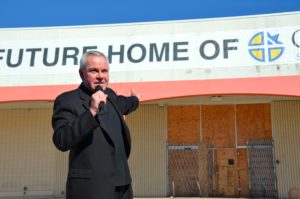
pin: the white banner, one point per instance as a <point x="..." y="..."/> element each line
<point x="148" y="55"/>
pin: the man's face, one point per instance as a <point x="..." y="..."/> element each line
<point x="96" y="72"/>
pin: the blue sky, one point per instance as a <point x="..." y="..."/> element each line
<point x="42" y="13"/>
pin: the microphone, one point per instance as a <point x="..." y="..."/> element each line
<point x="102" y="106"/>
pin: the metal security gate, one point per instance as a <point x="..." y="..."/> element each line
<point x="190" y="169"/>
<point x="262" y="177"/>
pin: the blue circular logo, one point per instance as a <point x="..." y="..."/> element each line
<point x="265" y="47"/>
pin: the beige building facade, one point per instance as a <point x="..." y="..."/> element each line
<point x="227" y="82"/>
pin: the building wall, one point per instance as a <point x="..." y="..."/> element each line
<point x="286" y="131"/>
<point x="30" y="164"/>
<point x="61" y="172"/>
<point x="27" y="154"/>
<point x="148" y="160"/>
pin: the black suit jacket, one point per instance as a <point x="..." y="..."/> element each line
<point x="92" y="159"/>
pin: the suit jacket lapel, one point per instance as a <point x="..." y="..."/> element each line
<point x="104" y="125"/>
<point x="84" y="96"/>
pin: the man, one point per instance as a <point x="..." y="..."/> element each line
<point x="89" y="122"/>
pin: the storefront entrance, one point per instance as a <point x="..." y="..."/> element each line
<point x="217" y="150"/>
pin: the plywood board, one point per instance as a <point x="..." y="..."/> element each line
<point x="243" y="177"/>
<point x="218" y="125"/>
<point x="184" y="124"/>
<point x="253" y="122"/>
<point x="226" y="178"/>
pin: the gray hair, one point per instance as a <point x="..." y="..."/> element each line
<point x="85" y="55"/>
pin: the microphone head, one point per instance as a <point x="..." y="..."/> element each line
<point x="98" y="88"/>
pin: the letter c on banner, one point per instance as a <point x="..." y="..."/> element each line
<point x="294" y="39"/>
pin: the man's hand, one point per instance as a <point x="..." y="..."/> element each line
<point x="133" y="93"/>
<point x="97" y="98"/>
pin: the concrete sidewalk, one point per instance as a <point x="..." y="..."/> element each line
<point x="188" y="198"/>
<point x="50" y="197"/>
<point x="33" y="197"/>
